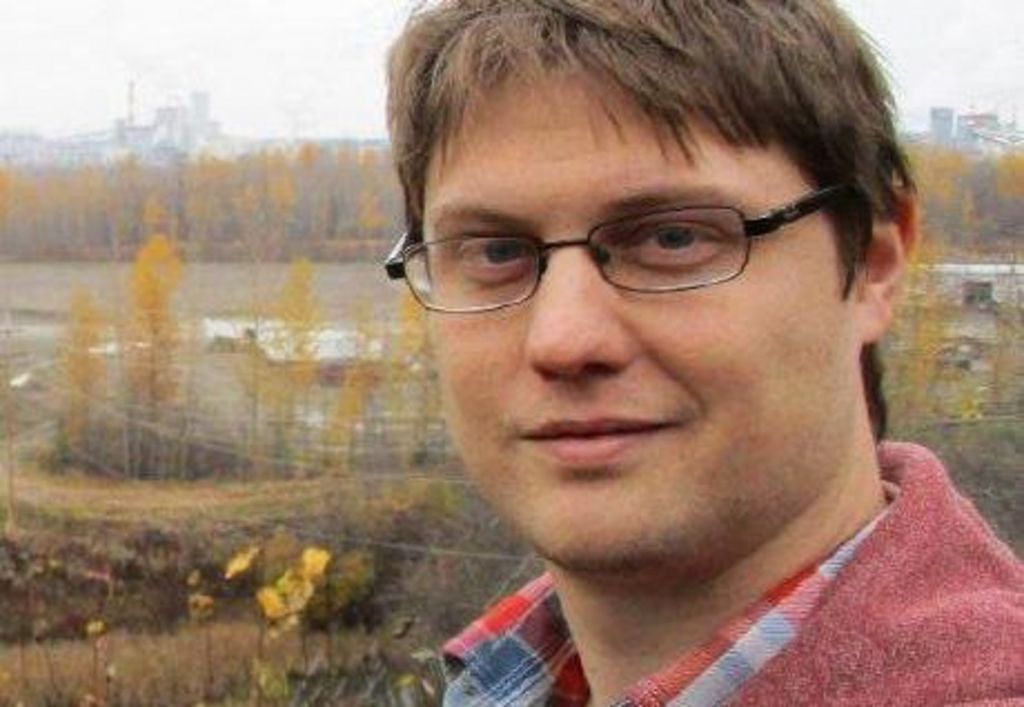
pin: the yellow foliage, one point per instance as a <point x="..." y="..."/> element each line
<point x="412" y="327"/>
<point x="83" y="369"/>
<point x="95" y="628"/>
<point x="940" y="173"/>
<point x="970" y="405"/>
<point x="299" y="312"/>
<point x="295" y="588"/>
<point x="272" y="604"/>
<point x="153" y="328"/>
<point x="1010" y="176"/>
<point x="6" y="193"/>
<point x="287" y="597"/>
<point x="241" y="562"/>
<point x="918" y="334"/>
<point x="355" y="393"/>
<point x="284" y="601"/>
<point x="194" y="578"/>
<point x="313" y="563"/>
<point x="309" y="155"/>
<point x="299" y="317"/>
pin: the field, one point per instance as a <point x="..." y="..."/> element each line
<point x="46" y="289"/>
<point x="135" y="554"/>
<point x="122" y="588"/>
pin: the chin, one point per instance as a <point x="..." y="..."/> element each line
<point x="629" y="552"/>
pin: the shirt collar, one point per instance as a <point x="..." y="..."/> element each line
<point x="521" y="652"/>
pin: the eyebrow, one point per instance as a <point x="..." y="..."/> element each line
<point x="634" y="202"/>
<point x="480" y="216"/>
<point x="644" y="200"/>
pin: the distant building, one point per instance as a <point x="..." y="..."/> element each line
<point x="942" y="122"/>
<point x="978" y="132"/>
<point x="980" y="292"/>
<point x="175" y="132"/>
<point x="981" y="286"/>
<point x="23" y="148"/>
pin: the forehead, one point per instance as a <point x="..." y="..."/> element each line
<point x="544" y="148"/>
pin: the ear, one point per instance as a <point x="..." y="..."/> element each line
<point x="885" y="262"/>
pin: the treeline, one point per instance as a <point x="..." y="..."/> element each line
<point x="972" y="206"/>
<point x="324" y="204"/>
<point x="344" y="204"/>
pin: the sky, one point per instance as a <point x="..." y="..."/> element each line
<point x="314" y="68"/>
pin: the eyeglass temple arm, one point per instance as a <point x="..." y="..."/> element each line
<point x="394" y="264"/>
<point x="775" y="219"/>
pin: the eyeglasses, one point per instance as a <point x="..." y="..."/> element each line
<point x="660" y="251"/>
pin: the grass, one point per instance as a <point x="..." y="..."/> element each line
<point x="172" y="668"/>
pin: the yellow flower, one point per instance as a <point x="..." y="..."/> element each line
<point x="95" y="628"/>
<point x="241" y="562"/>
<point x="314" y="562"/>
<point x="295" y="590"/>
<point x="272" y="604"/>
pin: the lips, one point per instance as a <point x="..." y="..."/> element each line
<point x="592" y="443"/>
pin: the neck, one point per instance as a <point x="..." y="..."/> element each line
<point x="630" y="627"/>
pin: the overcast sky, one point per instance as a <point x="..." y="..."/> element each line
<point x="314" y="67"/>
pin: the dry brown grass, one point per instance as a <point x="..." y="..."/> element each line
<point x="166" y="669"/>
<point x="168" y="503"/>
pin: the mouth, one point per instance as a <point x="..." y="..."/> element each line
<point x="592" y="444"/>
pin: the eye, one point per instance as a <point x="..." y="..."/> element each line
<point x="493" y="261"/>
<point x="674" y="236"/>
<point x="497" y="251"/>
<point x="667" y="241"/>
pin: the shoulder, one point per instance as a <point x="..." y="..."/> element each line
<point x="929" y="611"/>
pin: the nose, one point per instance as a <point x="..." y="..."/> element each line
<point x="576" y="327"/>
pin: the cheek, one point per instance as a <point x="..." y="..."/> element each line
<point x="751" y="358"/>
<point x="472" y="362"/>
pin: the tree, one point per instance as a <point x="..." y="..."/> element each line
<point x="298" y="325"/>
<point x="412" y="398"/>
<point x="83" y="369"/>
<point x="1010" y="176"/>
<point x="153" y="326"/>
<point x="361" y="377"/>
<point x="150" y="344"/>
<point x="6" y="195"/>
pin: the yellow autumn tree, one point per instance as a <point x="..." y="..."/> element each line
<point x="152" y="328"/>
<point x="298" y="323"/>
<point x="82" y="367"/>
<point x="412" y="399"/>
<point x="941" y="176"/>
<point x="1010" y="175"/>
<point x="361" y="378"/>
<point x="6" y="194"/>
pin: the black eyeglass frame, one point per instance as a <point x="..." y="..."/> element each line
<point x="756" y="227"/>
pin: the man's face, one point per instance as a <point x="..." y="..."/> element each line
<point x="618" y="430"/>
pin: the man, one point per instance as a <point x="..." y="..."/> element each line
<point x="659" y="241"/>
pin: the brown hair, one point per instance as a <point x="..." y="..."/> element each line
<point x="796" y="73"/>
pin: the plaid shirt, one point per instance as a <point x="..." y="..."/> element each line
<point x="520" y="652"/>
